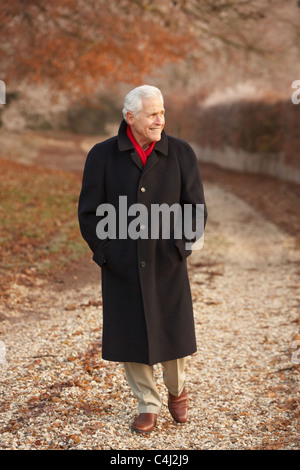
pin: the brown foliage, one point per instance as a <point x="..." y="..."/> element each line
<point x="74" y="44"/>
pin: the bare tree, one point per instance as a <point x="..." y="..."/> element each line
<point x="76" y="44"/>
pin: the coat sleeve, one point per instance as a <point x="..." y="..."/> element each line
<point x="93" y="194"/>
<point x="192" y="200"/>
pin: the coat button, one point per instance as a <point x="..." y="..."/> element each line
<point x="143" y="189"/>
<point x="143" y="264"/>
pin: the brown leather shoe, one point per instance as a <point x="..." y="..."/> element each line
<point x="178" y="406"/>
<point x="145" y="422"/>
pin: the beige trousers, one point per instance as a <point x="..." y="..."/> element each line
<point x="141" y="381"/>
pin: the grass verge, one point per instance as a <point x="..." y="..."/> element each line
<point x="39" y="224"/>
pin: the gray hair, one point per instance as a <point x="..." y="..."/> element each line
<point x="133" y="100"/>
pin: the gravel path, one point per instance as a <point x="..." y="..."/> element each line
<point x="243" y="384"/>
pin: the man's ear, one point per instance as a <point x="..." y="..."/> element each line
<point x="130" y="118"/>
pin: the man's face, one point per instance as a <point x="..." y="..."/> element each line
<point x="147" y="126"/>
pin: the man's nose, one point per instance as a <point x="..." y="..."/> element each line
<point x="159" y="119"/>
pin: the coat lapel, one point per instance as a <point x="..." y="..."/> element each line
<point x="151" y="161"/>
<point x="136" y="159"/>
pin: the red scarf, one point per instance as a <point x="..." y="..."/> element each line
<point x="144" y="154"/>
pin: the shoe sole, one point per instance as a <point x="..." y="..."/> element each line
<point x="139" y="431"/>
<point x="143" y="432"/>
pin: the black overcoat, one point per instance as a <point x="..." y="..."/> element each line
<point x="147" y="304"/>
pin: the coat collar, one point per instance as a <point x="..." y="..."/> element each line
<point x="124" y="142"/>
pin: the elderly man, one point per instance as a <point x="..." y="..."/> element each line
<point x="147" y="305"/>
